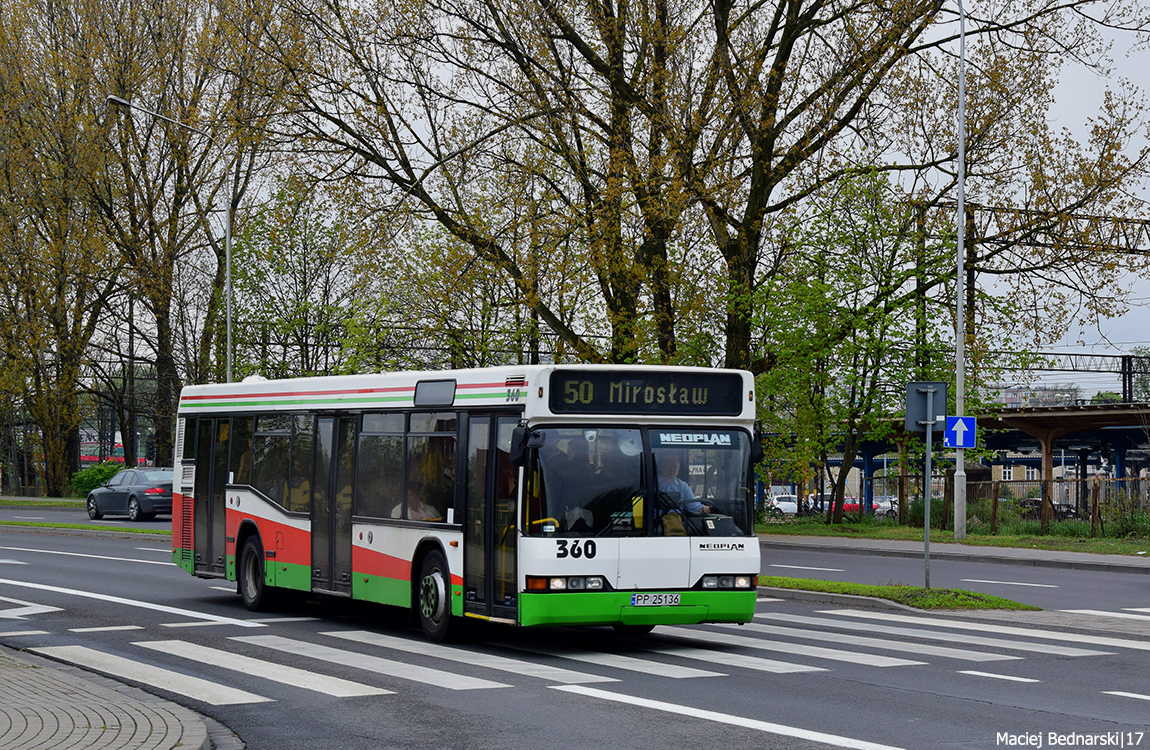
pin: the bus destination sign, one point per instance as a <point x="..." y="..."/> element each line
<point x="608" y="392"/>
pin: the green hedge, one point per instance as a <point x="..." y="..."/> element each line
<point x="92" y="477"/>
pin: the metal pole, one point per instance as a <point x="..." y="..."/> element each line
<point x="926" y="485"/>
<point x="228" y="267"/>
<point x="960" y="325"/>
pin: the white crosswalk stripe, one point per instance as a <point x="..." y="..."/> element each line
<point x="474" y="658"/>
<point x="300" y="678"/>
<point x="878" y="643"/>
<point x="987" y="627"/>
<point x="1103" y="613"/>
<point x="619" y="661"/>
<point x="728" y="659"/>
<point x="870" y="660"/>
<point x="935" y="635"/>
<point x="370" y="663"/>
<point x="165" y="679"/>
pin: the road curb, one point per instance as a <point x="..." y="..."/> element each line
<point x="826" y="597"/>
<point x="972" y="555"/>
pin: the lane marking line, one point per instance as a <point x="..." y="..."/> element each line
<point x="738" y="721"/>
<point x="134" y="603"/>
<point x="164" y="679"/>
<point x="807" y="567"/>
<point x="108" y="629"/>
<point x="997" y="676"/>
<point x="94" y="557"/>
<point x="762" y="599"/>
<point x="1122" y="694"/>
<point x="5" y="634"/>
<point x="1010" y="583"/>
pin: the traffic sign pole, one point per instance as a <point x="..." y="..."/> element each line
<point x="926" y="489"/>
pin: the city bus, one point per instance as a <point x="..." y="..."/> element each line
<point x="532" y="495"/>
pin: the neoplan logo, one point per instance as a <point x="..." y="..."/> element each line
<point x="722" y="546"/>
<point x="694" y="438"/>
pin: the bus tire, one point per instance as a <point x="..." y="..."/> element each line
<point x="253" y="588"/>
<point x="433" y="599"/>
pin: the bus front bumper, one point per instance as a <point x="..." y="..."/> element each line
<point x="615" y="607"/>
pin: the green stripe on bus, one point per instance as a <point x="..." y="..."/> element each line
<point x="611" y="607"/>
<point x="381" y="590"/>
<point x="494" y="394"/>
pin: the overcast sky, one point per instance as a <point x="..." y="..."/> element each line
<point x="1079" y="93"/>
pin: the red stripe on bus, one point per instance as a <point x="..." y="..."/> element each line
<point x="369" y="562"/>
<point x="281" y="394"/>
<point x="490" y="385"/>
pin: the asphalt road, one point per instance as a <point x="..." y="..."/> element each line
<point x="803" y="675"/>
<point x="1049" y="588"/>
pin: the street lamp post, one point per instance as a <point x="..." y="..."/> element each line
<point x="960" y="325"/>
<point x="117" y="101"/>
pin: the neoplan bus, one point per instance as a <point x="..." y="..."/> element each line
<point x="532" y="495"/>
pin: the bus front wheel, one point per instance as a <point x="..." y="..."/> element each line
<point x="434" y="599"/>
<point x="253" y="588"/>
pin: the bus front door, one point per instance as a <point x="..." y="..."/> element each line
<point x="211" y="477"/>
<point x="489" y="581"/>
<point x="331" y="505"/>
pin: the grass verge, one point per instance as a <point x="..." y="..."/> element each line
<point x="912" y="596"/>
<point x="86" y="527"/>
<point x="18" y="503"/>
<point x="882" y="529"/>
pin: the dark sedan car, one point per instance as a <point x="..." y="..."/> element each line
<point x="138" y="493"/>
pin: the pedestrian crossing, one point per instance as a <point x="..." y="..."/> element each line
<point x="358" y="663"/>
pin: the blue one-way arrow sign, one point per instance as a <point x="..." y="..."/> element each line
<point x="960" y="432"/>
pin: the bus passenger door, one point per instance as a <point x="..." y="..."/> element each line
<point x="331" y="505"/>
<point x="210" y="480"/>
<point x="490" y="588"/>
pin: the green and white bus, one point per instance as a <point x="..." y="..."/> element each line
<point x="531" y="495"/>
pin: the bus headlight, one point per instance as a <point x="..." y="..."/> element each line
<point x="567" y="583"/>
<point x="728" y="582"/>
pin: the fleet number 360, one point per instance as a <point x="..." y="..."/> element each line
<point x="576" y="548"/>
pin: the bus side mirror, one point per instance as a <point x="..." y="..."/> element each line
<point x="523" y="439"/>
<point x="756" y="445"/>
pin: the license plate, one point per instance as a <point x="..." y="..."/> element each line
<point x="654" y="600"/>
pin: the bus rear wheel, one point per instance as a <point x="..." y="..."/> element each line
<point x="253" y="588"/>
<point x="434" y="599"/>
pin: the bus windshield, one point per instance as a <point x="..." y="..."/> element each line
<point x="630" y="481"/>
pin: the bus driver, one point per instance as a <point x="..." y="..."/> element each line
<point x="676" y="488"/>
